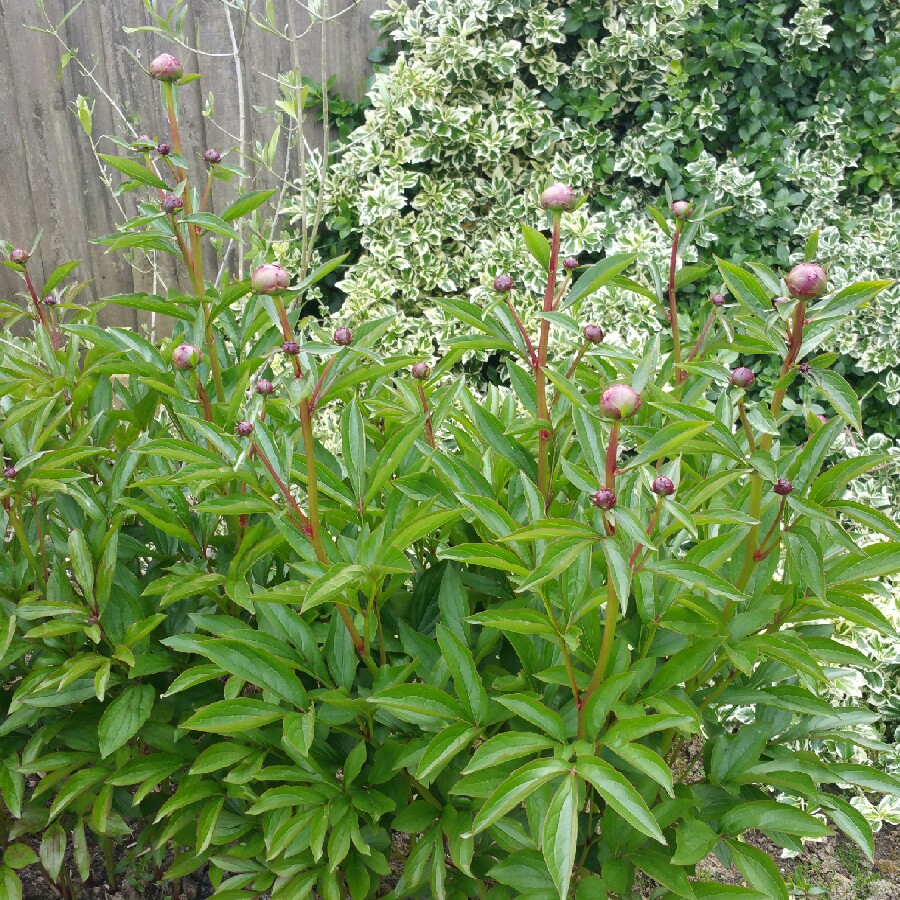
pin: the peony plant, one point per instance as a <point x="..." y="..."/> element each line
<point x="321" y="621"/>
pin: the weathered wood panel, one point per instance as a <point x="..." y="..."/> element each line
<point x="49" y="177"/>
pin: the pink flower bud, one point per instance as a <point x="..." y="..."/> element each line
<point x="50" y="300"/>
<point x="243" y="429"/>
<point x="264" y="387"/>
<point x="186" y="356"/>
<point x="717" y="300"/>
<point x="166" y="68"/>
<point x="805" y="368"/>
<point x="171" y="204"/>
<point x="343" y="336"/>
<point x="742" y="377"/>
<point x="291" y="348"/>
<point x="503" y="283"/>
<point x="420" y="371"/>
<point x="10" y="472"/>
<point x="270" y="278"/>
<point x="559" y="198"/>
<point x="212" y="156"/>
<point x="19" y="256"/>
<point x="593" y="334"/>
<point x="163" y="149"/>
<point x="570" y="263"/>
<point x="681" y="209"/>
<point x="604" y="499"/>
<point x="619" y="402"/>
<point x="783" y="487"/>
<point x="807" y="281"/>
<point x="663" y="486"/>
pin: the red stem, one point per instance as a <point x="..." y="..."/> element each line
<point x="429" y="431"/>
<point x="285" y="491"/>
<point x="532" y="356"/>
<point x="317" y="390"/>
<point x="709" y="322"/>
<point x="37" y="303"/>
<point x="539" y="376"/>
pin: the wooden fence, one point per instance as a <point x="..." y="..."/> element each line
<point x="49" y="175"/>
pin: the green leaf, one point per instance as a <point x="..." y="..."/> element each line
<point x="209" y="222"/>
<point x="618" y="792"/>
<point x="759" y="870"/>
<point x="441" y="750"/>
<point x="559" y="835"/>
<point x="538" y="246"/>
<point x="483" y="554"/>
<point x="82" y="562"/>
<point x="880" y="560"/>
<point x="123" y="718"/>
<point x="811" y="247"/>
<point x="18" y="856"/>
<point x="56" y="276"/>
<point x="516" y="621"/>
<point x="246" y="203"/>
<point x="769" y="815"/>
<point x="467" y="681"/>
<point x="749" y="292"/>
<point x="256" y="667"/>
<point x="507" y="746"/>
<point x="693" y="576"/>
<point x="649" y="762"/>
<point x="666" y="441"/>
<point x="340" y="581"/>
<point x="135" y="171"/>
<point x="683" y="665"/>
<point x="53" y="849"/>
<point x="233" y="716"/>
<point x="420" y="704"/>
<point x="840" y="395"/>
<point x="516" y="788"/>
<point x="597" y="276"/>
<point x="852" y="822"/>
<point x="532" y="710"/>
<point x="694" y="839"/>
<point x="10" y="886"/>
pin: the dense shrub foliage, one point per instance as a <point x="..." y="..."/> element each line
<point x="320" y="618"/>
<point x="783" y="111"/>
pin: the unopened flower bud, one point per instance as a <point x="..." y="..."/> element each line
<point x="186" y="356"/>
<point x="291" y="348"/>
<point x="558" y="198"/>
<point x="717" y="300"/>
<point x="270" y="278"/>
<point x="681" y="209"/>
<point x="10" y="472"/>
<point x="742" y="377"/>
<point x="343" y="336"/>
<point x="264" y="387"/>
<point x="620" y="402"/>
<point x="163" y="149"/>
<point x="807" y="281"/>
<point x="503" y="283"/>
<point x="570" y="263"/>
<point x="663" y="486"/>
<point x="605" y="498"/>
<point x="50" y="300"/>
<point x="19" y="256"/>
<point x="171" y="204"/>
<point x="166" y="68"/>
<point x="243" y="429"/>
<point x="420" y="371"/>
<point x="783" y="487"/>
<point x="593" y="333"/>
<point x="212" y="156"/>
<point x="805" y="368"/>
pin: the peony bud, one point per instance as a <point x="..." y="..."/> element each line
<point x="717" y="300"/>
<point x="663" y="486"/>
<point x="186" y="356"/>
<point x="10" y="472"/>
<point x="243" y="429"/>
<point x="270" y="278"/>
<point x="171" y="204"/>
<point x="503" y="283"/>
<point x="292" y="348"/>
<point x="343" y="336"/>
<point x="212" y="156"/>
<point x="420" y="371"/>
<point x="166" y="68"/>
<point x="619" y="402"/>
<point x="681" y="209"/>
<point x="783" y="487"/>
<point x="593" y="334"/>
<point x="50" y="300"/>
<point x="807" y="281"/>
<point x="163" y="149"/>
<point x="19" y="256"/>
<point x="605" y="498"/>
<point x="805" y="368"/>
<point x="264" y="387"/>
<point x="742" y="377"/>
<point x="559" y="198"/>
<point x="570" y="263"/>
